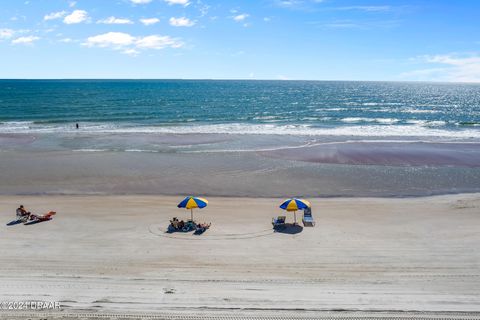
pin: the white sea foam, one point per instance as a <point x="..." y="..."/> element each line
<point x="438" y="123"/>
<point x="15" y="126"/>
<point x="427" y="123"/>
<point x="141" y="150"/>
<point x="32" y="127"/>
<point x="332" y="109"/>
<point x="386" y="120"/>
<point x="378" y="120"/>
<point x="355" y="119"/>
<point x="388" y="128"/>
<point x="267" y="118"/>
<point x="418" y="111"/>
<point x="90" y="150"/>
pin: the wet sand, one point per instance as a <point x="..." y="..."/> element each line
<point x="236" y="165"/>
<point x="244" y="174"/>
<point x="105" y="254"/>
<point x="385" y="153"/>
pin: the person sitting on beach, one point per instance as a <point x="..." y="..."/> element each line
<point x="203" y="226"/>
<point x="174" y="223"/>
<point x="21" y="212"/>
<point x="181" y="224"/>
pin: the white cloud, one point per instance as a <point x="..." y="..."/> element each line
<point x="158" y="42"/>
<point x="203" y="8"/>
<point x="54" y="15"/>
<point x="358" y="24"/>
<point x="6" y="33"/>
<point x="77" y="16"/>
<point x="466" y="69"/>
<point x="181" y="22"/>
<point x="113" y="20"/>
<point x="344" y="25"/>
<point x="18" y="17"/>
<point x="238" y="53"/>
<point x="283" y="77"/>
<point x="449" y="67"/>
<point x="131" y="52"/>
<point x="288" y="3"/>
<point x="72" y="4"/>
<point x="240" y="17"/>
<point x="110" y="39"/>
<point x="182" y="2"/>
<point x="25" y="40"/>
<point x="140" y="1"/>
<point x="132" y="45"/>
<point x="451" y="60"/>
<point x="66" y="40"/>
<point x="149" y="21"/>
<point x="296" y="4"/>
<point x="366" y="8"/>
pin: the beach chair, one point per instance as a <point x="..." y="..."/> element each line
<point x="279" y="222"/>
<point x="307" y="218"/>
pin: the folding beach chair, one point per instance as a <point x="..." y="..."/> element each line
<point x="307" y="218"/>
<point x="279" y="222"/>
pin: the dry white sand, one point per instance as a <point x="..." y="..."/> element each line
<point x="110" y="253"/>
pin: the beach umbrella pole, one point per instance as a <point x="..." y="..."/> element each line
<point x="191" y="214"/>
<point x="295" y="217"/>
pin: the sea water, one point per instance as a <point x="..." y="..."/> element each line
<point x="305" y="108"/>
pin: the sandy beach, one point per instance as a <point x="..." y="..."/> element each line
<point x="105" y="254"/>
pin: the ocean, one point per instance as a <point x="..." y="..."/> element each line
<point x="370" y="109"/>
<point x="239" y="138"/>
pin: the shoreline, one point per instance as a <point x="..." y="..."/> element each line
<point x="180" y="195"/>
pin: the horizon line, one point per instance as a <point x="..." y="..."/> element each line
<point x="241" y="79"/>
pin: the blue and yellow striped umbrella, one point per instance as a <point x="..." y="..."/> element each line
<point x="191" y="203"/>
<point x="295" y="204"/>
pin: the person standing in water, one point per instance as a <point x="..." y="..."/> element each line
<point x="77" y="126"/>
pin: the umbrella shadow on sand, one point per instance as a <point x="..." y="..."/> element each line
<point x="290" y="228"/>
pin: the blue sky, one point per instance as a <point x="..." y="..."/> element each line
<point x="251" y="39"/>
